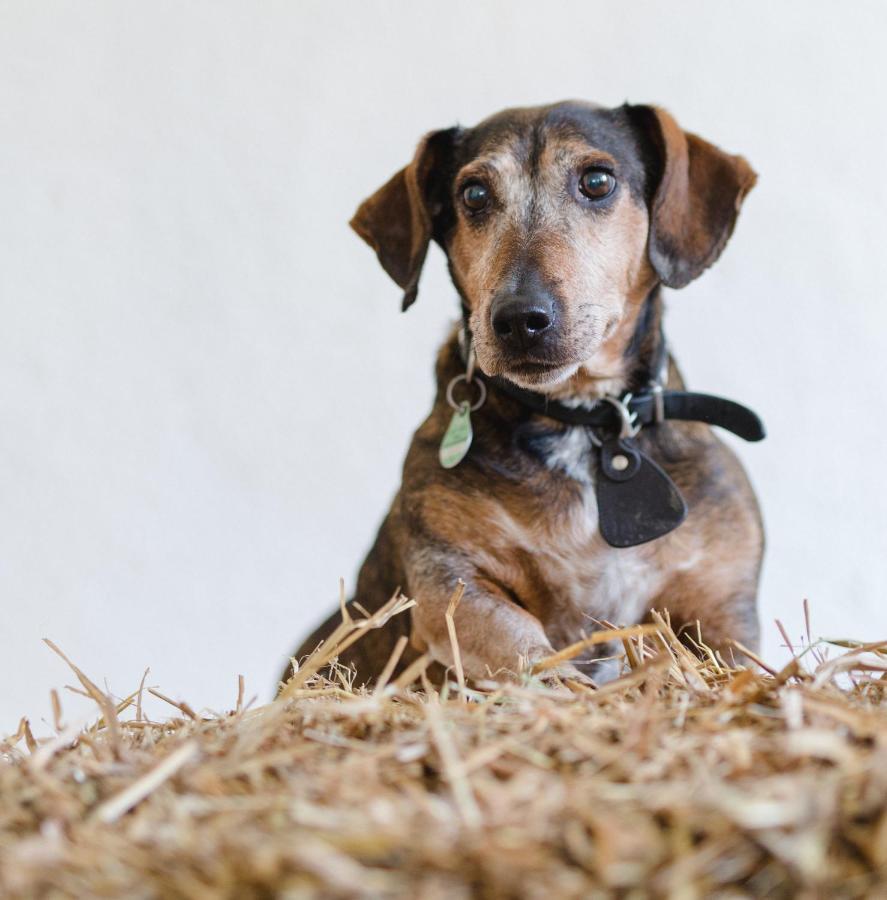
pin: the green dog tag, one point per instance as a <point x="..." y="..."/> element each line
<point x="457" y="438"/>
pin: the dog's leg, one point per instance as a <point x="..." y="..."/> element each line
<point x="721" y="617"/>
<point x="496" y="637"/>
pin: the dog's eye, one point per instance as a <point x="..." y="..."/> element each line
<point x="475" y="196"/>
<point x="596" y="183"/>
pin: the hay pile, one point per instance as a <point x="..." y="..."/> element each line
<point x="684" y="778"/>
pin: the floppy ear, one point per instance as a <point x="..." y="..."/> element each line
<point x="696" y="199"/>
<point x="398" y="220"/>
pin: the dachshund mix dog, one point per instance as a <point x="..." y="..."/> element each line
<point x="560" y="224"/>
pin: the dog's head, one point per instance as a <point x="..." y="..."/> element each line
<point x="557" y="222"/>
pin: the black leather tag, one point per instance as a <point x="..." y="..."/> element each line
<point x="637" y="501"/>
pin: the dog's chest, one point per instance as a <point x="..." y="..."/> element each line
<point x="581" y="577"/>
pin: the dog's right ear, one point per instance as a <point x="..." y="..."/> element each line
<point x="398" y="220"/>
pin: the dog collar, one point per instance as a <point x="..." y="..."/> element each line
<point x="647" y="407"/>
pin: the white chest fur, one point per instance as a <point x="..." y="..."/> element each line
<point x="587" y="580"/>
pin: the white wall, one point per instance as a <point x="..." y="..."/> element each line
<point x="205" y="385"/>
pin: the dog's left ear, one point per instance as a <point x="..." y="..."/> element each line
<point x="696" y="200"/>
<point x="398" y="220"/>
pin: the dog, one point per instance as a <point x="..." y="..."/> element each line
<point x="560" y="225"/>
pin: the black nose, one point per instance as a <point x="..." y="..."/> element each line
<point x="521" y="322"/>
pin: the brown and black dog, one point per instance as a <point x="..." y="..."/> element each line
<point x="559" y="223"/>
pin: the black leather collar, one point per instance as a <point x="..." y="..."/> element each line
<point x="686" y="406"/>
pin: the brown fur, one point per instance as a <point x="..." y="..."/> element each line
<point x="517" y="520"/>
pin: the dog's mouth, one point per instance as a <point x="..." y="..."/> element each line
<point x="539" y="375"/>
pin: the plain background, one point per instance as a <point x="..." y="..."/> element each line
<point x="206" y="388"/>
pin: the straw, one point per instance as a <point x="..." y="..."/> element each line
<point x="683" y="777"/>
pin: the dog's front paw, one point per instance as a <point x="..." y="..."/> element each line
<point x="568" y="676"/>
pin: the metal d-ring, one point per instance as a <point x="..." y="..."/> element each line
<point x="481" y="387"/>
<point x="628" y="429"/>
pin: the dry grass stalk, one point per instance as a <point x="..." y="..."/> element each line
<point x="177" y="704"/>
<point x="391" y="665"/>
<point x="684" y="777"/>
<point x="114" y="807"/>
<point x="598" y="637"/>
<point x="349" y="631"/>
<point x="452" y="606"/>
